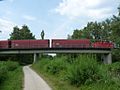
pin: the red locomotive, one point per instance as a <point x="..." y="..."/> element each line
<point x="56" y="43"/>
<point x="103" y="44"/>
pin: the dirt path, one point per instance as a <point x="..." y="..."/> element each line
<point x="33" y="81"/>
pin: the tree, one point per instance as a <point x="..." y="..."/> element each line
<point x="42" y="34"/>
<point x="15" y="35"/>
<point x="69" y="37"/>
<point x="116" y="27"/>
<point x="106" y="30"/>
<point x="77" y="34"/>
<point x="21" y="34"/>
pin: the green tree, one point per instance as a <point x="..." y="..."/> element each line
<point x="77" y="34"/>
<point x="15" y="35"/>
<point x="42" y="34"/>
<point x="69" y="36"/>
<point x="115" y="26"/>
<point x="106" y="30"/>
<point x="21" y="34"/>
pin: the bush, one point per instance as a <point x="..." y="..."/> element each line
<point x="56" y="65"/>
<point x="83" y="71"/>
<point x="11" y="66"/>
<point x="3" y="73"/>
<point x="115" y="69"/>
<point x="5" y="67"/>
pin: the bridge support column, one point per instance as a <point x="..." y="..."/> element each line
<point x="36" y="55"/>
<point x="107" y="58"/>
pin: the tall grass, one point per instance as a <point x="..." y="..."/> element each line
<point x="56" y="65"/>
<point x="83" y="73"/>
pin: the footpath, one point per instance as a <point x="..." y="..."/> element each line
<point x="32" y="81"/>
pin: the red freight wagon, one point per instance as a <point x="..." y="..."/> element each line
<point x="29" y="43"/>
<point x="103" y="44"/>
<point x="20" y="44"/>
<point x="62" y="43"/>
<point x="39" y="43"/>
<point x="4" y="44"/>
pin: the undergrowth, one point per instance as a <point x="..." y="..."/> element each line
<point x="84" y="73"/>
<point x="11" y="76"/>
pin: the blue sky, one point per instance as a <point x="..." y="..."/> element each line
<point x="57" y="18"/>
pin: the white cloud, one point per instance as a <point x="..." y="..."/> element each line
<point x="6" y="27"/>
<point x="29" y="18"/>
<point x="60" y="30"/>
<point x="84" y="8"/>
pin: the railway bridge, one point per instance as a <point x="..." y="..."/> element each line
<point x="105" y="53"/>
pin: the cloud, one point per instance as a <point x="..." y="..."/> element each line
<point x="29" y="18"/>
<point x="6" y="27"/>
<point x="84" y="8"/>
<point x="60" y="30"/>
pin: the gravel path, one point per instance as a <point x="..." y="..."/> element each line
<point x="32" y="81"/>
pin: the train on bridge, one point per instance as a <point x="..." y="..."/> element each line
<point x="54" y="43"/>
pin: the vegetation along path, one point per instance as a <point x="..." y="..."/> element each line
<point x="33" y="81"/>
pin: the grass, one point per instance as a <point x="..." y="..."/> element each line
<point x="56" y="83"/>
<point x="84" y="73"/>
<point x="13" y="77"/>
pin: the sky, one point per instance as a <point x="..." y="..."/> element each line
<point x="57" y="18"/>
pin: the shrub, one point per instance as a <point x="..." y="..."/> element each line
<point x="5" y="67"/>
<point x="115" y="69"/>
<point x="56" y="65"/>
<point x="11" y="66"/>
<point x="3" y="71"/>
<point x="83" y="71"/>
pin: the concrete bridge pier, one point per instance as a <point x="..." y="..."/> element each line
<point x="36" y="56"/>
<point x="107" y="58"/>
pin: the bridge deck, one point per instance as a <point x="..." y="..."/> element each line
<point x="54" y="50"/>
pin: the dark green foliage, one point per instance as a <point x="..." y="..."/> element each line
<point x="56" y="65"/>
<point x="115" y="26"/>
<point x="21" y="34"/>
<point x="77" y="34"/>
<point x="42" y="34"/>
<point x="3" y="73"/>
<point x="5" y="67"/>
<point x="83" y="71"/>
<point x="14" y="80"/>
<point x="11" y="66"/>
<point x="114" y="69"/>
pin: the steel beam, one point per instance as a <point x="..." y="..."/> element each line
<point x="53" y="51"/>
